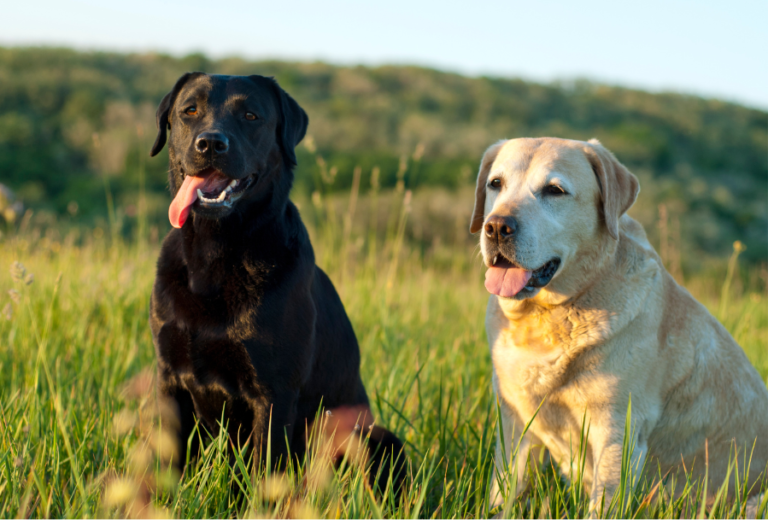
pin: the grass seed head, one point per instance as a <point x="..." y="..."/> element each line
<point x="164" y="444"/>
<point x="159" y="513"/>
<point x="301" y="509"/>
<point x="168" y="414"/>
<point x="140" y="386"/>
<point x="320" y="475"/>
<point x="18" y="271"/>
<point x="309" y="144"/>
<point x="119" y="492"/>
<point x="124" y="422"/>
<point x="275" y="488"/>
<point x="140" y="459"/>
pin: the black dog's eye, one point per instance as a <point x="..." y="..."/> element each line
<point x="191" y="111"/>
<point x="495" y="184"/>
<point x="250" y="116"/>
<point x="554" y="189"/>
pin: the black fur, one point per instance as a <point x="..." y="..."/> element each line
<point x="242" y="318"/>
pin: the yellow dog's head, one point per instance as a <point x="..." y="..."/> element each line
<point x="548" y="212"/>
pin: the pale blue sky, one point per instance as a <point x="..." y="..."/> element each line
<point x="711" y="48"/>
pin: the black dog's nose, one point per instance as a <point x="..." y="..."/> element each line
<point x="500" y="228"/>
<point x="212" y="141"/>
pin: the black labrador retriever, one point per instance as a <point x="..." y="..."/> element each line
<point x="242" y="319"/>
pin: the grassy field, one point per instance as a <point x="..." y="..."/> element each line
<point x="78" y="425"/>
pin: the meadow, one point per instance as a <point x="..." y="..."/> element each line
<point x="80" y="428"/>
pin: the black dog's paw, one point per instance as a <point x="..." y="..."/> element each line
<point x="387" y="458"/>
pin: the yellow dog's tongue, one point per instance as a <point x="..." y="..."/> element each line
<point x="186" y="196"/>
<point x="506" y="282"/>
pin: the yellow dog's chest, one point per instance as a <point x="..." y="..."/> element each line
<point x="543" y="359"/>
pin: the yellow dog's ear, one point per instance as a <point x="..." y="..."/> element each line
<point x="478" y="214"/>
<point x="618" y="187"/>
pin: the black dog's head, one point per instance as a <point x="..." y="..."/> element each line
<point x="231" y="140"/>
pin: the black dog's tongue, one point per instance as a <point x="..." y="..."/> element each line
<point x="187" y="194"/>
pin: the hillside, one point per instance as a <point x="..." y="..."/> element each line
<point x="75" y="124"/>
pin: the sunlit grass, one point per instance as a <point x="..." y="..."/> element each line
<point x="78" y="439"/>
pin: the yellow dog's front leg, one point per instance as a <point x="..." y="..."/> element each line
<point x="611" y="462"/>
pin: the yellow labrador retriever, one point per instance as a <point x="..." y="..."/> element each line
<point x="583" y="317"/>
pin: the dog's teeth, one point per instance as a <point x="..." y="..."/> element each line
<point x="495" y="259"/>
<point x="220" y="198"/>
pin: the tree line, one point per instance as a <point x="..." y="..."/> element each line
<point x="75" y="125"/>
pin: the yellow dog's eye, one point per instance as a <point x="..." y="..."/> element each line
<point x="191" y="111"/>
<point x="495" y="184"/>
<point x="250" y="116"/>
<point x="554" y="189"/>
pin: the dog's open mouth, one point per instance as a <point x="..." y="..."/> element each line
<point x="210" y="189"/>
<point x="506" y="279"/>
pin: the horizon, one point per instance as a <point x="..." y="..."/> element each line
<point x="704" y="49"/>
<point x="557" y="82"/>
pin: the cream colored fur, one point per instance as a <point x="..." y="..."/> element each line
<point x="611" y="325"/>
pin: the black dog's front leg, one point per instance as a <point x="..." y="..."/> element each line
<point x="273" y="427"/>
<point x="186" y="414"/>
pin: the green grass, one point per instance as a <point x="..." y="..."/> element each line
<point x="78" y="426"/>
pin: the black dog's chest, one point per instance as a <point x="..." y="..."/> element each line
<point x="209" y="357"/>
<point x="224" y="313"/>
<point x="216" y="345"/>
<point x="206" y="337"/>
<point x="218" y="295"/>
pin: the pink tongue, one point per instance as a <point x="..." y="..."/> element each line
<point x="506" y="282"/>
<point x="186" y="196"/>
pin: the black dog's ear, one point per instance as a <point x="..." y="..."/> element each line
<point x="163" y="122"/>
<point x="293" y="123"/>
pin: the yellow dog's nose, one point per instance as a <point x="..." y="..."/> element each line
<point x="500" y="228"/>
